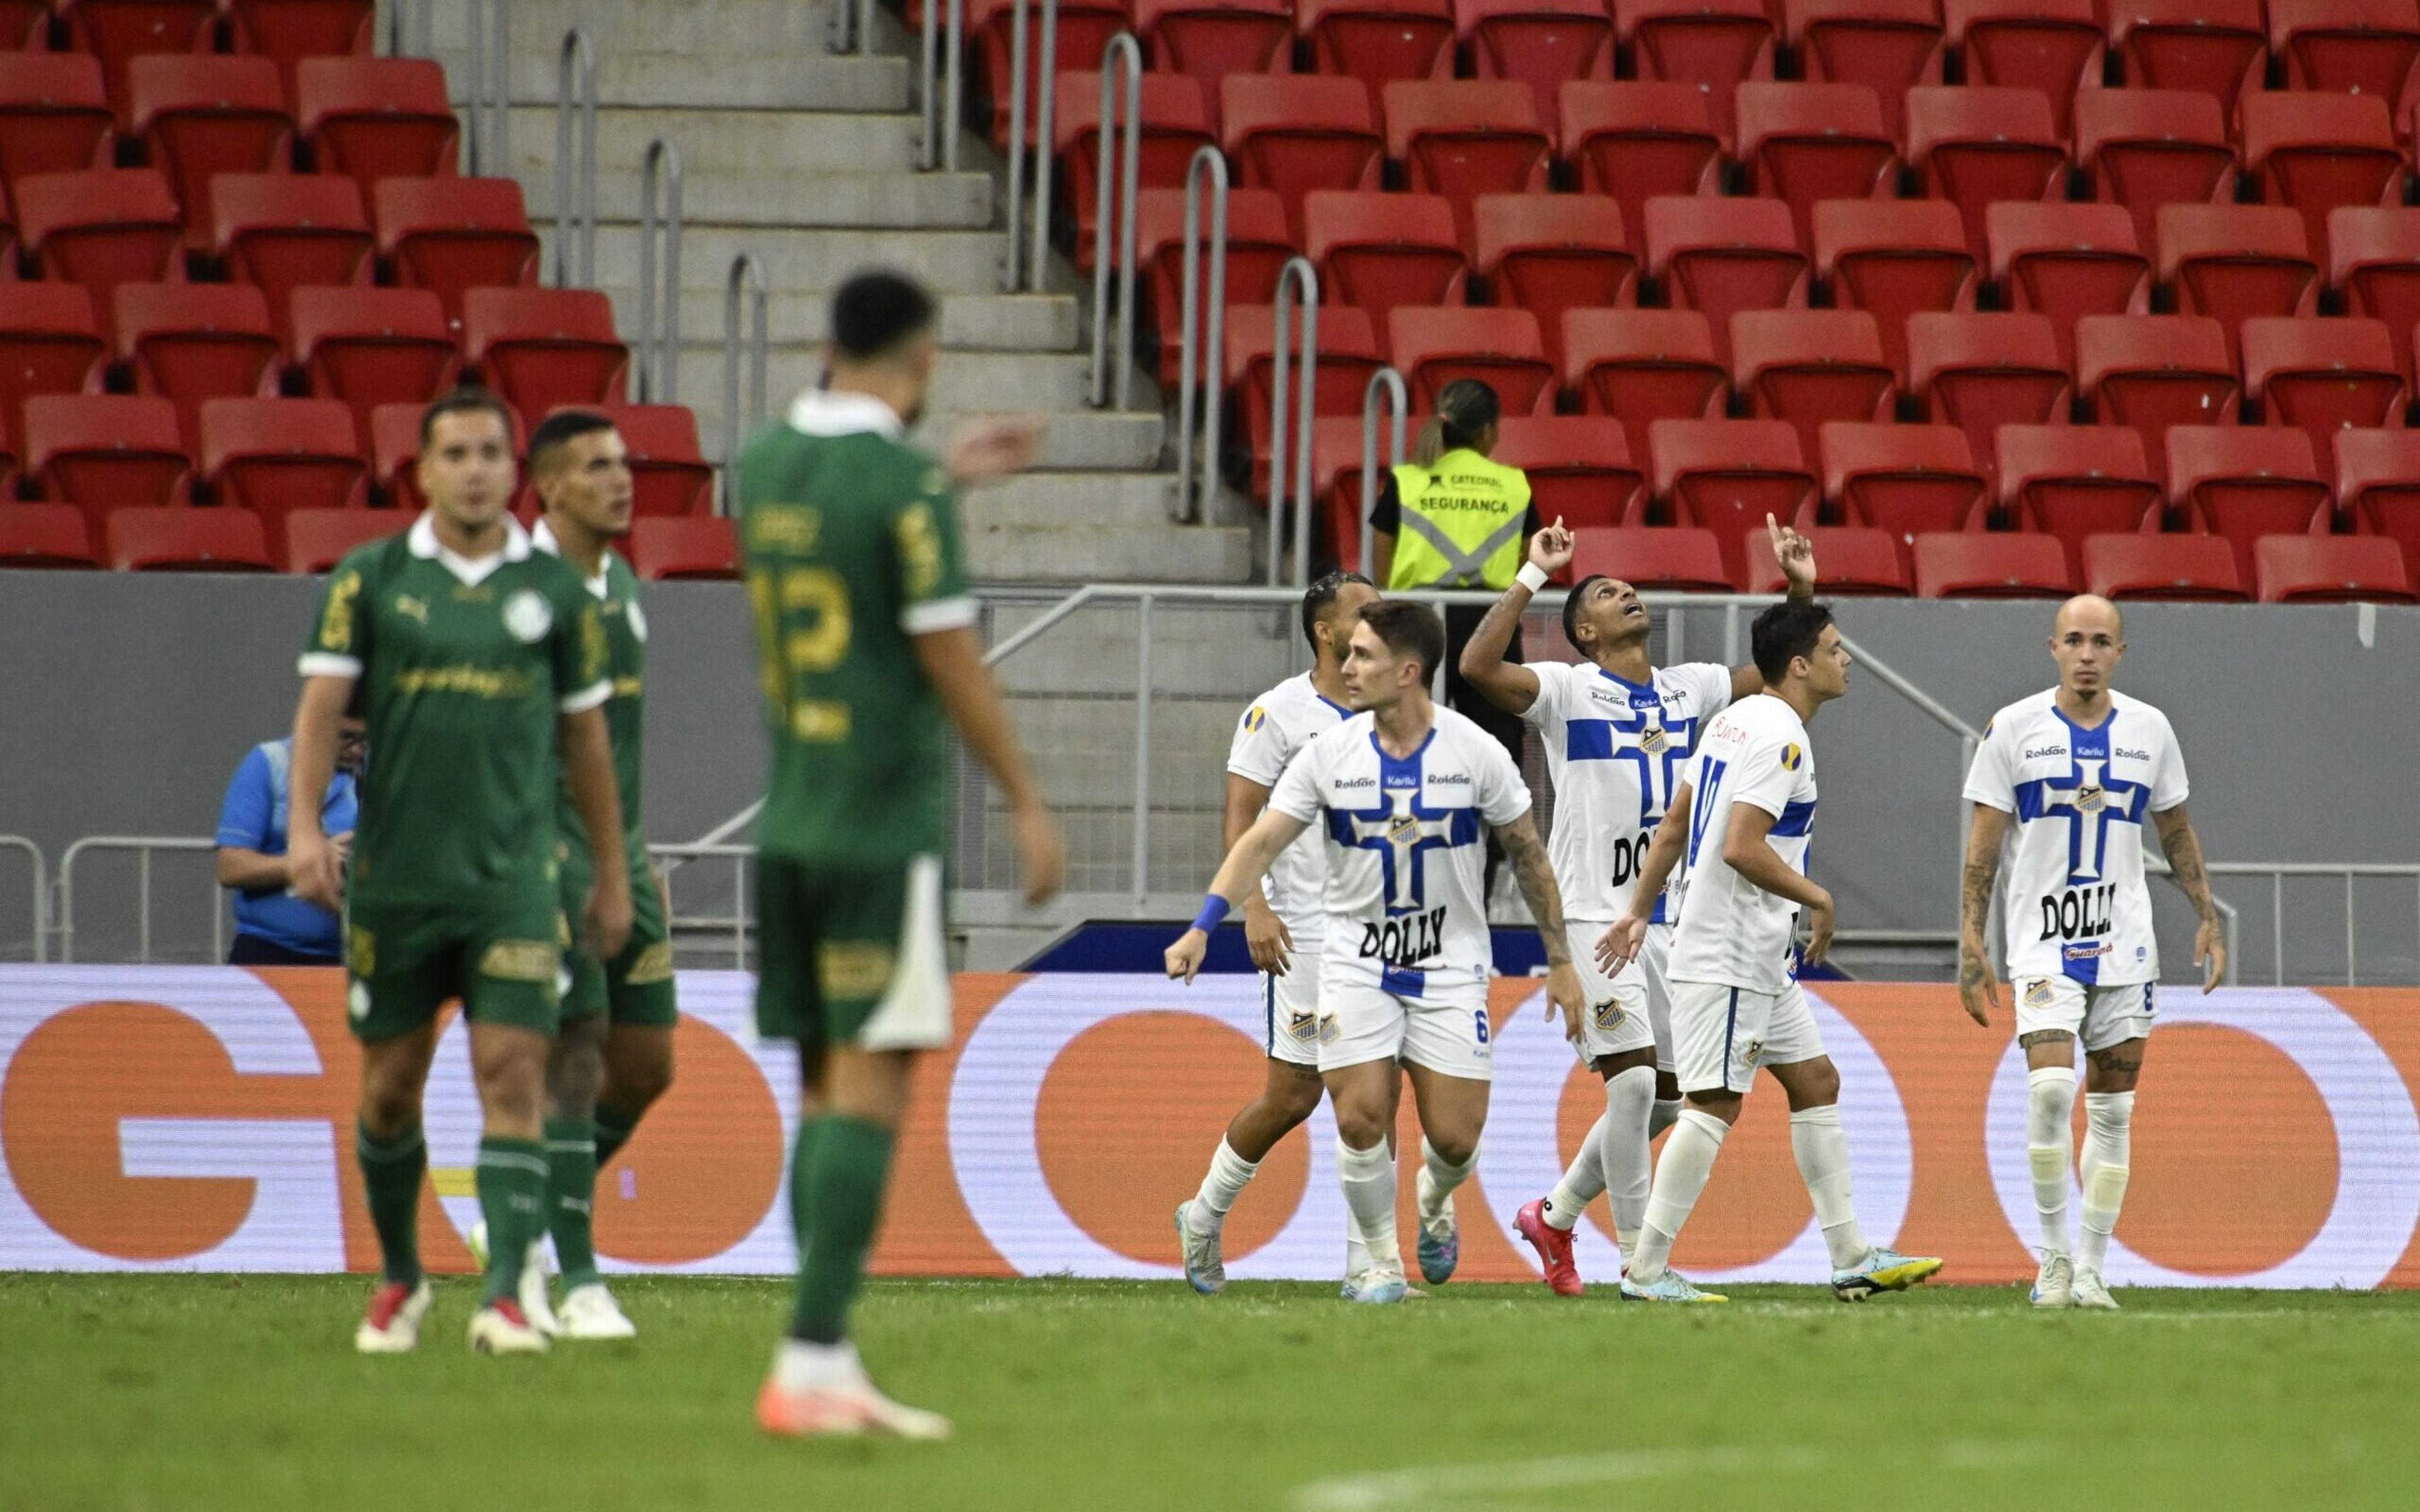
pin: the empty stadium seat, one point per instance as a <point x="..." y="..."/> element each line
<point x="1980" y="372"/>
<point x="1893" y="259"/>
<point x="317" y="539"/>
<point x="2378" y="487"/>
<point x="44" y="535"/>
<point x="2317" y="151"/>
<point x="1212" y="39"/>
<point x="54" y="117"/>
<point x="1989" y="565"/>
<point x="1579" y="467"/>
<point x="289" y="231"/>
<point x="2073" y="482"/>
<point x="1639" y="367"/>
<point x="1340" y="492"/>
<point x="49" y="343"/>
<point x="148" y="539"/>
<point x="2321" y="377"/>
<point x="1175" y="125"/>
<point x="1466" y="137"/>
<point x="1886" y="45"/>
<point x="2054" y="46"/>
<point x="2214" y="47"/>
<point x="1982" y="144"/>
<point x="2068" y="260"/>
<point x="395" y="450"/>
<point x="541" y="347"/>
<point x="1727" y="476"/>
<point x="2172" y="567"/>
<point x="2347" y="46"/>
<point x="375" y="118"/>
<point x="1713" y="44"/>
<point x="200" y="115"/>
<point x="1542" y="43"/>
<point x="1258" y="246"/>
<point x="1378" y="41"/>
<point x="1801" y="143"/>
<point x="370" y="346"/>
<point x="1857" y="562"/>
<point x="1682" y="561"/>
<point x="1084" y="30"/>
<point x="453" y="235"/>
<point x="1300" y="132"/>
<point x="102" y="228"/>
<point x="1552" y="253"/>
<point x="274" y="457"/>
<point x="2331" y="569"/>
<point x="2243" y="482"/>
<point x="1378" y="250"/>
<point x="1901" y="481"/>
<point x="2374" y="265"/>
<point x="1634" y="141"/>
<point x="1809" y="367"/>
<point x="101" y="452"/>
<point x="2149" y="147"/>
<point x="685" y="545"/>
<point x="1348" y="355"/>
<point x="2234" y="261"/>
<point x="288" y="31"/>
<point x="2154" y="371"/>
<point x="1723" y="256"/>
<point x="1435" y="347"/>
<point x="117" y="31"/>
<point x="24" y="24"/>
<point x="669" y="472"/>
<point x="193" y="341"/>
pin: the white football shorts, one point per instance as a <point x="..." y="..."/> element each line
<point x="1632" y="1011"/>
<point x="1722" y="1034"/>
<point x="1291" y="1005"/>
<point x="2099" y="1016"/>
<point x="1360" y="1021"/>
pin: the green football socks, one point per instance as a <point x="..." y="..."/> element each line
<point x="512" y="1198"/>
<point x="842" y="1165"/>
<point x="391" y="1170"/>
<point x="571" y="1161"/>
<point x="614" y="1131"/>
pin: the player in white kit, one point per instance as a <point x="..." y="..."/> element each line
<point x="2060" y="787"/>
<point x="1285" y="925"/>
<point x="1747" y="813"/>
<point x="1404" y="794"/>
<point x="1618" y="732"/>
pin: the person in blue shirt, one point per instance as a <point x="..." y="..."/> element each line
<point x="272" y="927"/>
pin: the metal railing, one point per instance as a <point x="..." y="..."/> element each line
<point x="1299" y="279"/>
<point x="2277" y="871"/>
<point x="1386" y="384"/>
<point x="575" y="177"/>
<point x="657" y="374"/>
<point x="41" y="885"/>
<point x="1027" y="275"/>
<point x="143" y="847"/>
<point x="943" y="87"/>
<point x="1203" y="335"/>
<point x="671" y="857"/>
<point x="491" y="139"/>
<point x="1115" y="211"/>
<point x="850" y="28"/>
<point x="408" y="25"/>
<point x="747" y="277"/>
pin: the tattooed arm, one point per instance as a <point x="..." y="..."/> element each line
<point x="1531" y="868"/>
<point x="1975" y="986"/>
<point x="2183" y="850"/>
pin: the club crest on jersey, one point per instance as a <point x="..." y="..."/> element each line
<point x="1610" y="1014"/>
<point x="2088" y="798"/>
<point x="1255" y="718"/>
<point x="527" y="618"/>
<point x="2037" y="995"/>
<point x="1791" y="756"/>
<point x="1652" y="740"/>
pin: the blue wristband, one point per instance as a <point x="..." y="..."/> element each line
<point x="1214" y="913"/>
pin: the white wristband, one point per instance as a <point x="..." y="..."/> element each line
<point x="1531" y="577"/>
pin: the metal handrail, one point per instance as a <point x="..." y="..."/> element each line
<point x="1026" y="275"/>
<point x="2277" y="871"/>
<point x="671" y="857"/>
<point x="41" y="892"/>
<point x="850" y="29"/>
<point x="1116" y="207"/>
<point x="658" y="379"/>
<point x="1204" y="334"/>
<point x="143" y="846"/>
<point x="748" y="274"/>
<point x="1389" y="384"/>
<point x="1297" y="277"/>
<point x="943" y="97"/>
<point x="490" y="141"/>
<point x="575" y="93"/>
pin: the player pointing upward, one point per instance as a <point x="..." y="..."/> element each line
<point x="2060" y="789"/>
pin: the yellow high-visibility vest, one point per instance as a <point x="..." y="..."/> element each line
<point x="1461" y="525"/>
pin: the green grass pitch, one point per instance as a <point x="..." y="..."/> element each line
<point x="207" y="1392"/>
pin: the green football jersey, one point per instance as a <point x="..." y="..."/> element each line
<point x="616" y="591"/>
<point x="462" y="668"/>
<point x="851" y="538"/>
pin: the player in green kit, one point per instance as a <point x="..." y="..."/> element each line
<point x="865" y="633"/>
<point x="480" y="664"/>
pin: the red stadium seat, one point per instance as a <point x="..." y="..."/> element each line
<point x="187" y="540"/>
<point x="55" y="117"/>
<point x="1499" y="347"/>
<point x="1989" y="565"/>
<point x="1548" y="254"/>
<point x="1979" y="145"/>
<point x="193" y="341"/>
<point x="98" y="452"/>
<point x="1348" y="356"/>
<point x="2363" y="47"/>
<point x="1085" y="28"/>
<point x="2378" y="487"/>
<point x="1902" y="481"/>
<point x="117" y="31"/>
<point x="44" y="535"/>
<point x="453" y="235"/>
<point x="1579" y="467"/>
<point x="1980" y="372"/>
<point x="2149" y="147"/>
<point x="2323" y="377"/>
<point x="1378" y="41"/>
<point x="2232" y="261"/>
<point x="1175" y="125"/>
<point x="2242" y="483"/>
<point x="1297" y="133"/>
<point x="541" y="347"/>
<point x="1727" y="476"/>
<point x="688" y="546"/>
<point x="317" y="539"/>
<point x="2073" y="482"/>
<point x="1340" y="491"/>
<point x="2374" y="264"/>
<point x="2068" y="260"/>
<point x="2154" y="371"/>
<point x="2331" y="569"/>
<point x="1213" y="39"/>
<point x="274" y="457"/>
<point x="1258" y="246"/>
<point x="49" y="343"/>
<point x="2171" y="567"/>
<point x="24" y="24"/>
<point x="1542" y="43"/>
<point x="394" y="451"/>
<point x="1635" y="141"/>
<point x="1857" y="562"/>
<point x="2215" y="47"/>
<point x="669" y="472"/>
<point x="375" y="118"/>
<point x="1886" y="45"/>
<point x="288" y="31"/>
<point x="1684" y="561"/>
<point x="200" y="115"/>
<point x="372" y="346"/>
<point x="1809" y="367"/>
<point x="2317" y="151"/>
<point x="1893" y="259"/>
<point x="1639" y="367"/>
<point x="1378" y="250"/>
<point x="1724" y="255"/>
<point x="102" y="228"/>
<point x="2050" y="45"/>
<point x="1801" y="143"/>
<point x="1713" y="44"/>
<point x="290" y="231"/>
<point x="1463" y="138"/>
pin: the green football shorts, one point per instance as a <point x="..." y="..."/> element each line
<point x="636" y="986"/>
<point x="403" y="960"/>
<point x="852" y="956"/>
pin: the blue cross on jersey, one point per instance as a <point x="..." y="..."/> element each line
<point x="2087" y="797"/>
<point x="1658" y="755"/>
<point x="1403" y="829"/>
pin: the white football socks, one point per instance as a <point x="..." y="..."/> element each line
<point x="1436" y="1193"/>
<point x="1667" y="1113"/>
<point x="1679" y="1178"/>
<point x="2050" y="1149"/>
<point x="1629" y="1164"/>
<point x="1230" y="1173"/>
<point x="2108" y="1142"/>
<point x="1582" y="1180"/>
<point x="801" y="1366"/>
<point x="1822" y="1146"/>
<point x="1368" y="1177"/>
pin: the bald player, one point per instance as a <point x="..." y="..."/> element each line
<point x="2062" y="787"/>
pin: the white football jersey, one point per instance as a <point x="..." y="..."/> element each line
<point x="2076" y="904"/>
<point x="1616" y="749"/>
<point x="1281" y="722"/>
<point x="1732" y="932"/>
<point x="1406" y="848"/>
